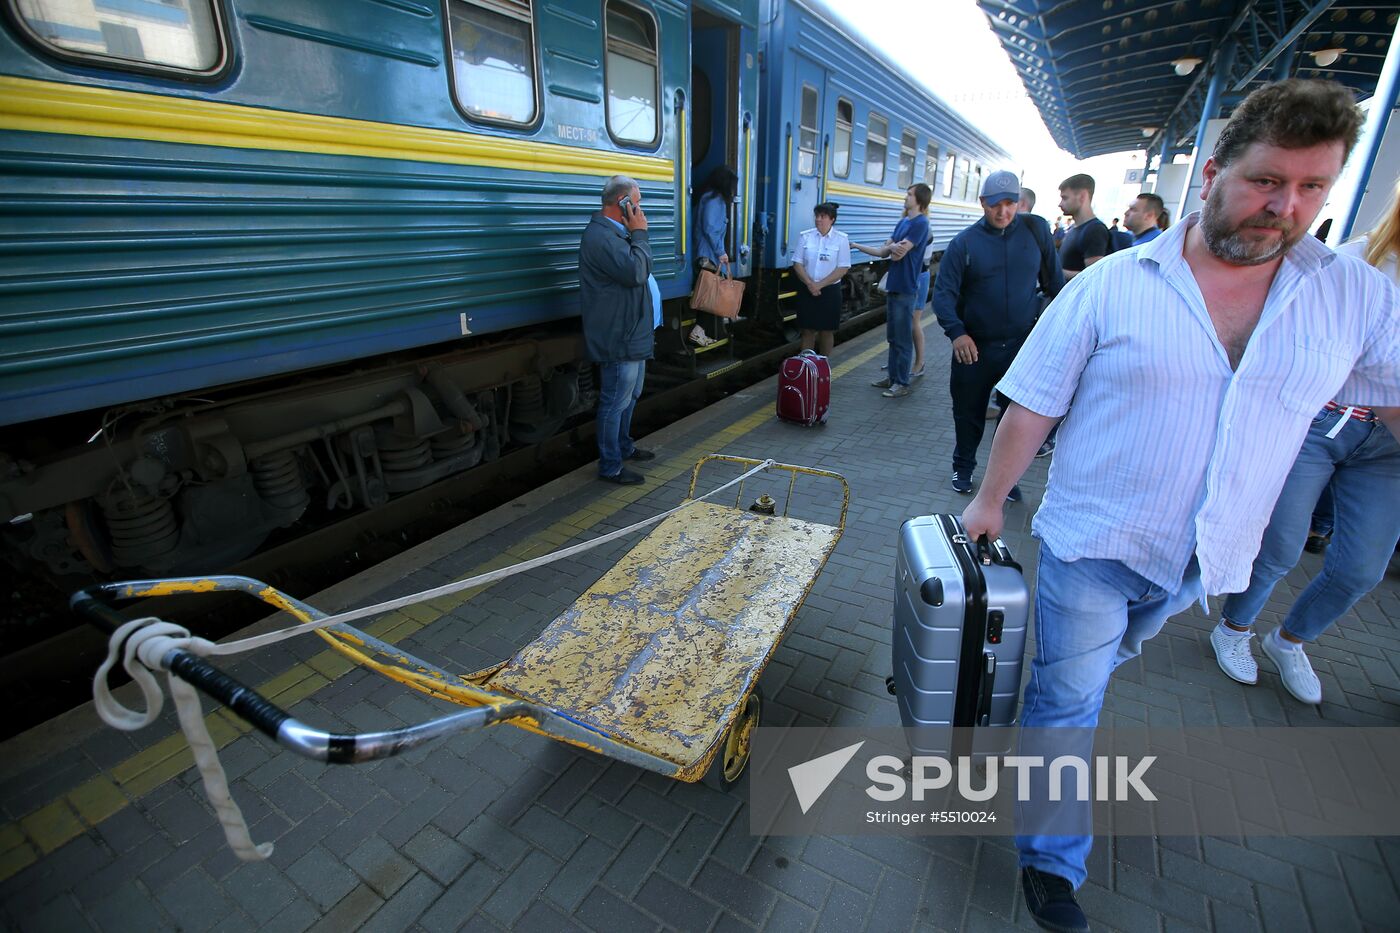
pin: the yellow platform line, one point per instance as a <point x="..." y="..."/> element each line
<point x="52" y="825"/>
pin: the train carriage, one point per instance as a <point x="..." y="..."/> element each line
<point x="847" y="125"/>
<point x="205" y="194"/>
<point x="260" y="259"/>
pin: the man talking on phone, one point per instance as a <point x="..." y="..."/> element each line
<point x="621" y="307"/>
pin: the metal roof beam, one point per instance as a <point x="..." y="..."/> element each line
<point x="1241" y="69"/>
<point x="1310" y="16"/>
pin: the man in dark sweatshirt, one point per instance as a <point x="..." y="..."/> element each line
<point x="986" y="301"/>
<point x="621" y="305"/>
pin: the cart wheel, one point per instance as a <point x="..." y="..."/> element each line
<point x="733" y="755"/>
<point x="889" y="685"/>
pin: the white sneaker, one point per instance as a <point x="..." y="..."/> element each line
<point x="1233" y="655"/>
<point x="1294" y="669"/>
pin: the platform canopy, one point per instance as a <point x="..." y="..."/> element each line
<point x="1115" y="75"/>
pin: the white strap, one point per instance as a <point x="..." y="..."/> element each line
<point x="147" y="641"/>
<point x="1341" y="422"/>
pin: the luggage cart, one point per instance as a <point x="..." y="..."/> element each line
<point x="657" y="664"/>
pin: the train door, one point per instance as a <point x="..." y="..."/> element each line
<point x="806" y="150"/>
<point x="714" y="88"/>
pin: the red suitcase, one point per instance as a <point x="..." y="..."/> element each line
<point x="804" y="389"/>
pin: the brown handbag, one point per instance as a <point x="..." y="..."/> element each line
<point x="718" y="294"/>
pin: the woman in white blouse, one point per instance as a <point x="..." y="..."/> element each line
<point x="821" y="258"/>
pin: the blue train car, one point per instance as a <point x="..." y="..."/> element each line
<point x="251" y="246"/>
<point x="845" y="124"/>
<point x="204" y="192"/>
<point x="265" y="257"/>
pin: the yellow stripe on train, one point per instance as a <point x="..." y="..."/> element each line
<point x="849" y="190"/>
<point x="53" y="107"/>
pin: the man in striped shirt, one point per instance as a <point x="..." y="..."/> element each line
<point x="1195" y="364"/>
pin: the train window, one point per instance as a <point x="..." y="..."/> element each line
<point x="807" y="133"/>
<point x="162" y="35"/>
<point x="845" y="122"/>
<point x="493" y="59"/>
<point x="950" y="162"/>
<point x="960" y="183"/>
<point x="976" y="185"/>
<point x="931" y="166"/>
<point x="631" y="74"/>
<point x="907" y="148"/>
<point x="876" y="149"/>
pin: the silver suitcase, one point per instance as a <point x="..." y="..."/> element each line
<point x="960" y="614"/>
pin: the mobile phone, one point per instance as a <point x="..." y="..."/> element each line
<point x="625" y="205"/>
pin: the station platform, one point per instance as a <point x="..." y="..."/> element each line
<point x="502" y="829"/>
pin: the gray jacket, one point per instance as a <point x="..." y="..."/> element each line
<point x="615" y="300"/>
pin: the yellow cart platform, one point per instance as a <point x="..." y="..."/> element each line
<point x="657" y="663"/>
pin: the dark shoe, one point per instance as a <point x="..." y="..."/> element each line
<point x="1046" y="449"/>
<point x="1317" y="543"/>
<point x="881" y="383"/>
<point x="1014" y="495"/>
<point x="625" y="477"/>
<point x="1050" y="900"/>
<point x="639" y="454"/>
<point x="962" y="482"/>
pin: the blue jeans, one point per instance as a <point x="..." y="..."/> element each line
<point x="921" y="291"/>
<point x="1362" y="466"/>
<point x="617" y="399"/>
<point x="1322" y="514"/>
<point x="899" y="331"/>
<point x="1090" y="616"/>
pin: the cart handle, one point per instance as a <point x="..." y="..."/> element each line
<point x="96" y="603"/>
<point x="792" y="482"/>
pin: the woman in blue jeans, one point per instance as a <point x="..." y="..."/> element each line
<point x="1349" y="450"/>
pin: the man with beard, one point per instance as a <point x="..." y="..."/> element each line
<point x="1196" y="364"/>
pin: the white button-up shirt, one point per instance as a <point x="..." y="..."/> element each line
<point x="822" y="255"/>
<point x="1166" y="451"/>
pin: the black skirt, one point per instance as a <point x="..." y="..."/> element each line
<point x="820" y="312"/>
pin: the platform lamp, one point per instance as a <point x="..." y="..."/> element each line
<point x="1190" y="60"/>
<point x="1325" y="57"/>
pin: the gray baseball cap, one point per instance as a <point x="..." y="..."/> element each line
<point x="1001" y="186"/>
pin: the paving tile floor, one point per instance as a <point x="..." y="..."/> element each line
<point x="505" y="830"/>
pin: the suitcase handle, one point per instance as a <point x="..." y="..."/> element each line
<point x="984" y="701"/>
<point x="995" y="552"/>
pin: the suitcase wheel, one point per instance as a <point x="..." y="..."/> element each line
<point x="889" y="685"/>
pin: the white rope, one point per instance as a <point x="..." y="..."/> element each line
<point x="144" y="643"/>
<point x="147" y="641"/>
<point x="259" y="641"/>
